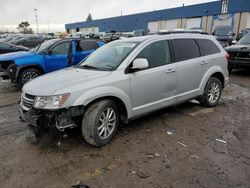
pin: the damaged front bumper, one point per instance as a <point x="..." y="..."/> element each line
<point x="42" y="120"/>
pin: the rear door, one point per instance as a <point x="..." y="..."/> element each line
<point x="154" y="87"/>
<point x="83" y="49"/>
<point x="58" y="57"/>
<point x="190" y="67"/>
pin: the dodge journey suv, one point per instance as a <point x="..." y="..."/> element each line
<point x="123" y="80"/>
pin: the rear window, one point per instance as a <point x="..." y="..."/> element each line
<point x="207" y="47"/>
<point x="185" y="49"/>
<point x="86" y="45"/>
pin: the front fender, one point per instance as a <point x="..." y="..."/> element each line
<point x="209" y="73"/>
<point x="105" y="91"/>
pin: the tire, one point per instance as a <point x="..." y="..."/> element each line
<point x="24" y="76"/>
<point x="92" y="120"/>
<point x="209" y="99"/>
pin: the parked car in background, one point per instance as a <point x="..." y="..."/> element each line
<point x="12" y="41"/>
<point x="51" y="55"/>
<point x="199" y="29"/>
<point x="123" y="80"/>
<point x="242" y="33"/>
<point x="108" y="37"/>
<point x="9" y="37"/>
<point x="30" y="41"/>
<point x="7" y="48"/>
<point x="139" y="32"/>
<point x="224" y="34"/>
<point x="239" y="54"/>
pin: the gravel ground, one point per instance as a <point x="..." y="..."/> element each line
<point x="181" y="146"/>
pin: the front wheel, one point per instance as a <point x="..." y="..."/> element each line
<point x="28" y="75"/>
<point x="212" y="93"/>
<point x="100" y="122"/>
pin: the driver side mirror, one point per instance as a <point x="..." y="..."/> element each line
<point x="140" y="64"/>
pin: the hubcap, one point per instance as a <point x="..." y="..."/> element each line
<point x="107" y="121"/>
<point x="213" y="92"/>
<point x="29" y="76"/>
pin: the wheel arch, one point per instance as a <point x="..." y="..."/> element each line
<point x="111" y="93"/>
<point x="33" y="66"/>
<point x="216" y="72"/>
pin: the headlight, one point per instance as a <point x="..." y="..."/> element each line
<point x="51" y="102"/>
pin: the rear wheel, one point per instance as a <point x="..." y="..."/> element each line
<point x="100" y="122"/>
<point x="28" y="75"/>
<point x="212" y="93"/>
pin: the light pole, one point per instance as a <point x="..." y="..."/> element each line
<point x="37" y="29"/>
<point x="48" y="26"/>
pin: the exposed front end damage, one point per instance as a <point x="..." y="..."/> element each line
<point x="4" y="68"/>
<point x="41" y="121"/>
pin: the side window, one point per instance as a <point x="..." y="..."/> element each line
<point x="207" y="47"/>
<point x="157" y="54"/>
<point x="62" y="48"/>
<point x="86" y="45"/>
<point x="185" y="49"/>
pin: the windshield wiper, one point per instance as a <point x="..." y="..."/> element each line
<point x="88" y="66"/>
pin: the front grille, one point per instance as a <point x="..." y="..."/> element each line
<point x="239" y="55"/>
<point x="27" y="101"/>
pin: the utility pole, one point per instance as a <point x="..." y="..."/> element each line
<point x="37" y="29"/>
<point x="48" y="26"/>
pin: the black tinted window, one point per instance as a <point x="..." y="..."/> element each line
<point x="207" y="47"/>
<point x="157" y="54"/>
<point x="185" y="49"/>
<point x="86" y="45"/>
<point x="62" y="48"/>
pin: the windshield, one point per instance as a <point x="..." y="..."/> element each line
<point x="108" y="57"/>
<point x="223" y="31"/>
<point x="40" y="48"/>
<point x="245" y="39"/>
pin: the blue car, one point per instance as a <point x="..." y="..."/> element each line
<point x="51" y="55"/>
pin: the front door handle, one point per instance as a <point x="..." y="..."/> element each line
<point x="170" y="70"/>
<point x="204" y="62"/>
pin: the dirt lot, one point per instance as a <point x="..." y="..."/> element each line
<point x="182" y="146"/>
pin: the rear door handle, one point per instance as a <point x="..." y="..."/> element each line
<point x="204" y="62"/>
<point x="170" y="70"/>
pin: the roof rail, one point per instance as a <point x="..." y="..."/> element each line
<point x="185" y="31"/>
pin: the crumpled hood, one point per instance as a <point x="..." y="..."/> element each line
<point x="50" y="83"/>
<point x="239" y="48"/>
<point x="15" y="55"/>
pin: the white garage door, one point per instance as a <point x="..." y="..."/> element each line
<point x="193" y="22"/>
<point x="153" y="26"/>
<point x="248" y="21"/>
<point x="168" y="25"/>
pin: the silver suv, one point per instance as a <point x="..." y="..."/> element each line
<point x="123" y="80"/>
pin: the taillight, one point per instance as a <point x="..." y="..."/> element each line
<point x="227" y="57"/>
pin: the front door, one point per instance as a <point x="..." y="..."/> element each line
<point x="58" y="57"/>
<point x="154" y="87"/>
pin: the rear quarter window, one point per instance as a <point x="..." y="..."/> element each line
<point x="185" y="49"/>
<point x="86" y="45"/>
<point x="207" y="47"/>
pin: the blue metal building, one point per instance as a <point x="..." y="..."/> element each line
<point x="205" y="12"/>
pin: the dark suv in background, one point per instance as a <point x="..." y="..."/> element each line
<point x="224" y="34"/>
